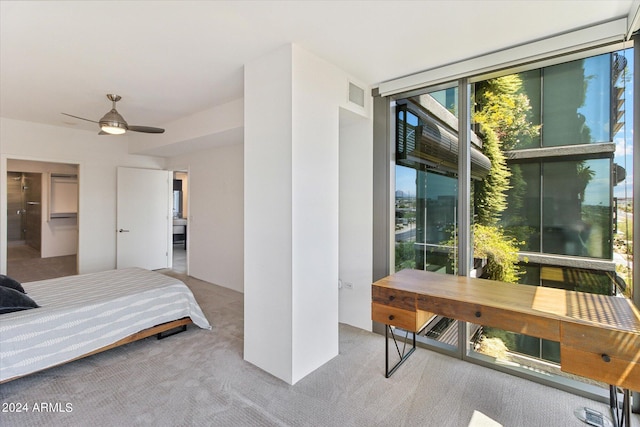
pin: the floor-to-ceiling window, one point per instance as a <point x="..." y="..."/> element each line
<point x="426" y="191"/>
<point x="551" y="185"/>
<point x="564" y="136"/>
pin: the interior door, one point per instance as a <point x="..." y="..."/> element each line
<point x="143" y="207"/>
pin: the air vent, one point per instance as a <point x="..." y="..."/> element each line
<point x="356" y="94"/>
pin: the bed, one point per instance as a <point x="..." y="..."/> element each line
<point x="85" y="314"/>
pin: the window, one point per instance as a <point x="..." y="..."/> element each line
<point x="560" y="199"/>
<point x="551" y="171"/>
<point x="576" y="99"/>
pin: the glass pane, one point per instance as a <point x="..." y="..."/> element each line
<point x="557" y="202"/>
<point x="577" y="208"/>
<point x="448" y="98"/>
<point x="521" y="219"/>
<point x="531" y="90"/>
<point x="576" y="102"/>
<point x="511" y="107"/>
<point x="405" y="218"/>
<point x="426" y="194"/>
<point x="623" y="190"/>
<point x="436" y="202"/>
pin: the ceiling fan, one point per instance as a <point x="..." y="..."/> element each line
<point x="113" y="123"/>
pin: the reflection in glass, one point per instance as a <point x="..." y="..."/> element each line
<point x="427" y="191"/>
<point x="577" y="208"/>
<point x="532" y="90"/>
<point x="436" y="202"/>
<point x="521" y="219"/>
<point x="576" y="102"/>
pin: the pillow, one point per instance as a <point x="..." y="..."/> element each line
<point x="8" y="282"/>
<point x="12" y="300"/>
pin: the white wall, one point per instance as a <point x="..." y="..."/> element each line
<point x="221" y="125"/>
<point x="356" y="218"/>
<point x="215" y="219"/>
<point x="292" y="105"/>
<point x="97" y="157"/>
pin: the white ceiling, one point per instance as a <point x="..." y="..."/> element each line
<point x="170" y="59"/>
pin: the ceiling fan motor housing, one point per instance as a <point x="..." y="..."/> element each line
<point x="113" y="119"/>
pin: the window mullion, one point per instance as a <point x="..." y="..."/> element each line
<point x="464" y="178"/>
<point x="465" y="248"/>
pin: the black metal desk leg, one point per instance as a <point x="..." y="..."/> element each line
<point x="403" y="355"/>
<point x="621" y="413"/>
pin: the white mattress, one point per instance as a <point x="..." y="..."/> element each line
<point x="80" y="314"/>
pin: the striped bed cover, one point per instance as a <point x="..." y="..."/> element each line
<point x="80" y="314"/>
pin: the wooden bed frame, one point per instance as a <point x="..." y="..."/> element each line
<point x="145" y="333"/>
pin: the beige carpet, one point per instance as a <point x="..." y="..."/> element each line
<point x="25" y="265"/>
<point x="199" y="378"/>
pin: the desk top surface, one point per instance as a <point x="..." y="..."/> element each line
<point x="605" y="311"/>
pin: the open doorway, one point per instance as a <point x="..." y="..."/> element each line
<point x="42" y="220"/>
<point x="180" y="221"/>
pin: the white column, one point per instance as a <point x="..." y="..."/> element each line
<point x="291" y="198"/>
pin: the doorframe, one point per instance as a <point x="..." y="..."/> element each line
<point x="3" y="201"/>
<point x="187" y="170"/>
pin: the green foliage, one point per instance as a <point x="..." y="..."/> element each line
<point x="490" y="193"/>
<point x="506" y="110"/>
<point x="500" y="251"/>
<point x="504" y="123"/>
<point x="508" y="338"/>
<point x="503" y="119"/>
<point x="405" y="255"/>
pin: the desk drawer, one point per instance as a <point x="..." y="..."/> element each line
<point x="519" y="322"/>
<point x="621" y="344"/>
<point x="582" y="348"/>
<point x="394" y="298"/>
<point x="616" y="371"/>
<point x="409" y="320"/>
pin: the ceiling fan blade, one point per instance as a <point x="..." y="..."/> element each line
<point x="114" y="123"/>
<point x="81" y="118"/>
<point x="145" y="129"/>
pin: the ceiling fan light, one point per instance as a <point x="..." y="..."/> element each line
<point x="113" y="123"/>
<point x="113" y="128"/>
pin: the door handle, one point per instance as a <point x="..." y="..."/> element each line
<point x="122" y="230"/>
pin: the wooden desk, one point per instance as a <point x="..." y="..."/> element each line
<point x="599" y="335"/>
